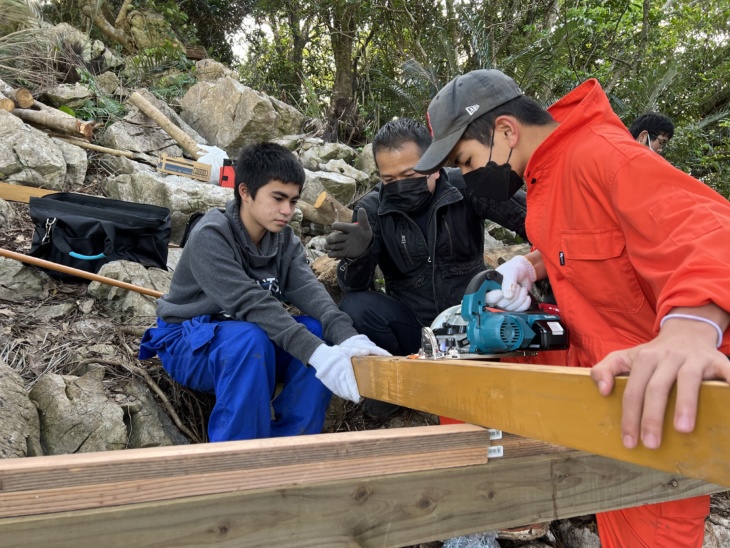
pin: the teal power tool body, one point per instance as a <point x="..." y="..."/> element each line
<point x="474" y="330"/>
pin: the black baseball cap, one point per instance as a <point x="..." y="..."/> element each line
<point x="459" y="103"/>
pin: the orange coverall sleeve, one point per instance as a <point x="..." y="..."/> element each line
<point x="677" y="234"/>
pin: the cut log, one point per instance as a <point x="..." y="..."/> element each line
<point x="313" y="215"/>
<point x="325" y="211"/>
<point x="308" y="211"/>
<point x="6" y="103"/>
<point x="50" y="120"/>
<point x="328" y="207"/>
<point x="183" y="139"/>
<point x="22" y="97"/>
<point x="45" y="108"/>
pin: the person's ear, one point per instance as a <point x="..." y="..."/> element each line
<point x="506" y="127"/>
<point x="243" y="191"/>
<point x="643" y="138"/>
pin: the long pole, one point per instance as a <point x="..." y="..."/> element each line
<point x="76" y="272"/>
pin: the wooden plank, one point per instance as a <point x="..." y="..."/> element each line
<point x="560" y="405"/>
<point x="381" y="511"/>
<point x="95" y="480"/>
<point x="19" y="193"/>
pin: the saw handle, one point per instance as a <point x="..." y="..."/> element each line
<point x="491" y="278"/>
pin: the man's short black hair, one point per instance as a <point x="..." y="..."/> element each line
<point x="654" y="123"/>
<point x="527" y="111"/>
<point x="397" y="133"/>
<point x="260" y="163"/>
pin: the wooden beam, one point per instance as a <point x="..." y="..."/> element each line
<point x="96" y="480"/>
<point x="386" y="509"/>
<point x="22" y="194"/>
<point x="559" y="405"/>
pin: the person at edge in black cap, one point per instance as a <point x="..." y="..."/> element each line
<point x="426" y="235"/>
<point x="630" y="245"/>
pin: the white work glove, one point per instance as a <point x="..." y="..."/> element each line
<point x="360" y="345"/>
<point x="518" y="275"/>
<point x="334" y="368"/>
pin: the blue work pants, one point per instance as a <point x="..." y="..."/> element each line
<point x="238" y="363"/>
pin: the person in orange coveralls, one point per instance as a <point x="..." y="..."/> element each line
<point x="635" y="250"/>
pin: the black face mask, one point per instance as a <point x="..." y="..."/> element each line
<point x="493" y="181"/>
<point x="407" y="195"/>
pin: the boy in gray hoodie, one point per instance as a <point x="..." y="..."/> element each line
<point x="222" y="327"/>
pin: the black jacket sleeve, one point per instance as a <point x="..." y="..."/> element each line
<point x="358" y="274"/>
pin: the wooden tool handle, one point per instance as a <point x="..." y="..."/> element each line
<point x="76" y="272"/>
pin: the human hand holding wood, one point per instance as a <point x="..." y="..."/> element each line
<point x="685" y="352"/>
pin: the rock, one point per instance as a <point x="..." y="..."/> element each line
<point x="495" y="257"/>
<point x="145" y="139"/>
<point x="108" y="83"/>
<point x="315" y="152"/>
<point x="230" y="115"/>
<point x="149" y="425"/>
<point x="181" y="195"/>
<point x="77" y="163"/>
<point x="29" y="156"/>
<point x="8" y="215"/>
<point x="19" y="283"/>
<point x="717" y="532"/>
<point x="119" y="165"/>
<point x="54" y="312"/>
<point x="208" y="70"/>
<point x="70" y="95"/>
<point x="92" y="51"/>
<point x="76" y="416"/>
<point x="575" y="534"/>
<point x="341" y="187"/>
<point x="19" y="425"/>
<point x="290" y="142"/>
<point x="343" y="168"/>
<point x="365" y="162"/>
<point x="152" y="30"/>
<point x="130" y="307"/>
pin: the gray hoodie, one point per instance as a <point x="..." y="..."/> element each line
<point x="222" y="272"/>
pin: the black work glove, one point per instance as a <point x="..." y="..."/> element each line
<point x="351" y="239"/>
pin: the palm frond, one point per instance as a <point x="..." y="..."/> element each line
<point x="19" y="14"/>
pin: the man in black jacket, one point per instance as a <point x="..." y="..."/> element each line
<point x="426" y="235"/>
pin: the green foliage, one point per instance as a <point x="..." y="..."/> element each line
<point x="164" y="70"/>
<point x="100" y="108"/>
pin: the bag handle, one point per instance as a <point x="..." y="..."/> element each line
<point x="63" y="247"/>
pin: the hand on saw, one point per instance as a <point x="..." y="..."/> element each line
<point x="518" y="275"/>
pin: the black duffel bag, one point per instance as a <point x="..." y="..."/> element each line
<point x="86" y="232"/>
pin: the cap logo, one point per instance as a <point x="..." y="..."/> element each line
<point x="472" y="109"/>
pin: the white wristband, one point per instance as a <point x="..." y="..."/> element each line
<point x="696" y="318"/>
